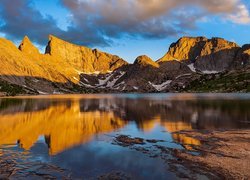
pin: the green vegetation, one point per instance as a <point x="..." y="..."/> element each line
<point x="11" y="89"/>
<point x="227" y="82"/>
<point x="83" y="90"/>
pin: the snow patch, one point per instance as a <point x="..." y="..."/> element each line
<point x="43" y="93"/>
<point x="104" y="81"/>
<point x="182" y="75"/>
<point x="112" y="83"/>
<point x="118" y="86"/>
<point x="35" y="80"/>
<point x="162" y="86"/>
<point x="86" y="85"/>
<point x="83" y="84"/>
<point x="107" y="81"/>
<point x="86" y="80"/>
<point x="210" y="72"/>
<point x="191" y="67"/>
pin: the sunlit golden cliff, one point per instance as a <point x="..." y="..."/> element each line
<point x="61" y="63"/>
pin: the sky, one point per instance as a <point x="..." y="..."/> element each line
<point x="127" y="28"/>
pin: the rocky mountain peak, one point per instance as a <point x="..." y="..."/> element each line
<point x="82" y="58"/>
<point x="215" y="54"/>
<point x="184" y="49"/>
<point x="145" y="61"/>
<point x="189" y="48"/>
<point x="27" y="47"/>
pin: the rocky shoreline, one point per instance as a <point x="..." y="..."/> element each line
<point x="225" y="153"/>
<point x="222" y="154"/>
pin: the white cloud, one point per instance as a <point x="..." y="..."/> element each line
<point x="241" y="16"/>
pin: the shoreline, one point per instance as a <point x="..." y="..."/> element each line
<point x="225" y="153"/>
<point x="222" y="154"/>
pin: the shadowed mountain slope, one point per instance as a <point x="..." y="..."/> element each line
<point x="69" y="68"/>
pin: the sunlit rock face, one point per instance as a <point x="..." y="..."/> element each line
<point x="214" y="54"/>
<point x="186" y="48"/>
<point x="16" y="64"/>
<point x="145" y="61"/>
<point x="81" y="58"/>
<point x="62" y="64"/>
<point x="69" y="68"/>
<point x="27" y="47"/>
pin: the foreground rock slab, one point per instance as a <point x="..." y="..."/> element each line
<point x="225" y="153"/>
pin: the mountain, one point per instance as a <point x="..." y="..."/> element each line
<point x="214" y="54"/>
<point x="81" y="58"/>
<point x="69" y="68"/>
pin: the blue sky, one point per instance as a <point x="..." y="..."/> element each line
<point x="128" y="28"/>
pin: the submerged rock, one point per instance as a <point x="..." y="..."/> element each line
<point x="128" y="141"/>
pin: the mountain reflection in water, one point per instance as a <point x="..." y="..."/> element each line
<point x="66" y="122"/>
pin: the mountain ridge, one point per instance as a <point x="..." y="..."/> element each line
<point x="70" y="68"/>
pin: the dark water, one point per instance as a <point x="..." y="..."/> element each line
<point x="76" y="133"/>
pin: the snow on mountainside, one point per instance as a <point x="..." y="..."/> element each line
<point x="69" y="68"/>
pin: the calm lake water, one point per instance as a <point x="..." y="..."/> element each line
<point x="73" y="135"/>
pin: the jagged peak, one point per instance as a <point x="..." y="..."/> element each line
<point x="27" y="46"/>
<point x="55" y="38"/>
<point x="25" y="40"/>
<point x="198" y="38"/>
<point x="145" y="61"/>
<point x="188" y="48"/>
<point x="56" y="43"/>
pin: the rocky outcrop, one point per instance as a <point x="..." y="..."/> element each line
<point x="83" y="59"/>
<point x="186" y="48"/>
<point x="69" y="68"/>
<point x="27" y="47"/>
<point x="243" y="56"/>
<point x="214" y="54"/>
<point x="145" y="61"/>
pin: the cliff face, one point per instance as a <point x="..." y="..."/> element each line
<point x="69" y="68"/>
<point x="243" y="56"/>
<point x="28" y="48"/>
<point x="81" y="58"/>
<point x="15" y="64"/>
<point x="186" y="48"/>
<point x="62" y="64"/>
<point x="214" y="54"/>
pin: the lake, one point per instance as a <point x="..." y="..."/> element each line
<point x="74" y="136"/>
